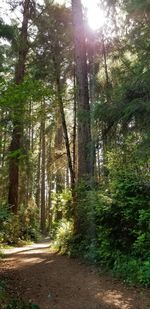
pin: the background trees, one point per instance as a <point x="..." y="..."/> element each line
<point x="75" y="131"/>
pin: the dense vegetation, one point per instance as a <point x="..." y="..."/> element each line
<point x="75" y="132"/>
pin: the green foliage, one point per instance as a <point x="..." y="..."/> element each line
<point x="115" y="221"/>
<point x="4" y="216"/>
<point x="132" y="270"/>
<point x="6" y="31"/>
<point x="138" y="5"/>
<point x="62" y="204"/>
<point x="14" y="229"/>
<point x="29" y="221"/>
<point x="63" y="234"/>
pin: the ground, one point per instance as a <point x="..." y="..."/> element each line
<point x="38" y="274"/>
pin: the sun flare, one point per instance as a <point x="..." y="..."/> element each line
<point x="95" y="15"/>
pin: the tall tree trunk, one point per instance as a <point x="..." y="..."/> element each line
<point x="58" y="149"/>
<point x="85" y="162"/>
<point x="29" y="148"/>
<point x="17" y="123"/>
<point x="74" y="125"/>
<point x="91" y="55"/>
<point x="43" y="199"/>
<point x="105" y="136"/>
<point x="108" y="85"/>
<point x="66" y="139"/>
<point x="64" y="125"/>
<point x="49" y="181"/>
<point x="38" y="179"/>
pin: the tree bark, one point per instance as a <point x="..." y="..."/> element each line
<point x="64" y="125"/>
<point x="38" y="179"/>
<point x="74" y="125"/>
<point x="58" y="149"/>
<point x="43" y="204"/>
<point x="49" y="181"/>
<point x="15" y="145"/>
<point x="85" y="162"/>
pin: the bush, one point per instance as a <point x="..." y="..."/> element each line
<point x="114" y="220"/>
<point x="114" y="229"/>
<point x="29" y="221"/>
<point x="21" y="227"/>
<point x="132" y="270"/>
<point x="63" y="234"/>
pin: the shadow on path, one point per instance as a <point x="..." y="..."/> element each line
<point x="52" y="281"/>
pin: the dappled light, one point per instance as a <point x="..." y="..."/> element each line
<point x="74" y="154"/>
<point x="28" y="249"/>
<point x="116" y="298"/>
<point x="52" y="280"/>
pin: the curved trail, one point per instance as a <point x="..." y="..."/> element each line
<point x="37" y="274"/>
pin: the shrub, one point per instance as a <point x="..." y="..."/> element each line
<point x="115" y="229"/>
<point x="132" y="270"/>
<point x="63" y="234"/>
<point x="21" y="227"/>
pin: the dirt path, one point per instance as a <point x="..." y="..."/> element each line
<point x="38" y="274"/>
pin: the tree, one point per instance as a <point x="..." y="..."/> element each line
<point x="43" y="168"/>
<point x="15" y="146"/>
<point x="85" y="160"/>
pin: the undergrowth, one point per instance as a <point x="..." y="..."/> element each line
<point x="114" y="228"/>
<point x="18" y="229"/>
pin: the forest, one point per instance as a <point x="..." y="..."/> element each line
<point x="75" y="131"/>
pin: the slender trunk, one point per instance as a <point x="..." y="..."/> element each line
<point x="49" y="181"/>
<point x="66" y="139"/>
<point x="92" y="90"/>
<point x="98" y="163"/>
<point x="30" y="149"/>
<point x="38" y="195"/>
<point x="64" y="125"/>
<point x="74" y="126"/>
<point x="105" y="149"/>
<point x="91" y="54"/>
<point x="1" y="139"/>
<point x="18" y="110"/>
<point x="43" y="204"/>
<point x="49" y="208"/>
<point x="3" y="145"/>
<point x="106" y="71"/>
<point x="58" y="149"/>
<point x="105" y="138"/>
<point x="67" y="177"/>
<point x="31" y="127"/>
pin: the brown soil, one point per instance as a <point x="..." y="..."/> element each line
<point x="36" y="273"/>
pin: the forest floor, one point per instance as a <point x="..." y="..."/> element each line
<point x="37" y="274"/>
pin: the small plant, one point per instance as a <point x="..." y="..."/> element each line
<point x="63" y="234"/>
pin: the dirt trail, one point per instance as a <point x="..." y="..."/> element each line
<point x="38" y="274"/>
